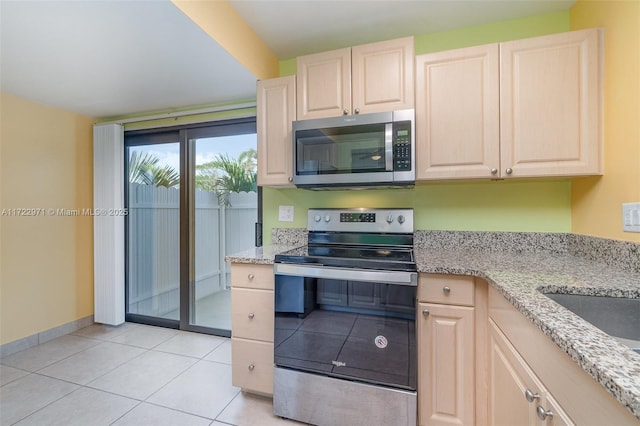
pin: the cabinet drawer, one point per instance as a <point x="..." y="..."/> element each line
<point x="252" y="314"/>
<point x="252" y="276"/>
<point x="252" y="365"/>
<point x="446" y="289"/>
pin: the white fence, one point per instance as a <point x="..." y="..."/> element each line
<point x="154" y="245"/>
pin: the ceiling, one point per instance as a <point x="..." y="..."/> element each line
<point x="106" y="58"/>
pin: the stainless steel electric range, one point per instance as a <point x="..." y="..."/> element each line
<point x="345" y="346"/>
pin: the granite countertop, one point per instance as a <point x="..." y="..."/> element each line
<point x="259" y="255"/>
<point x="520" y="278"/>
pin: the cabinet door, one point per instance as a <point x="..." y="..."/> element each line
<point x="275" y="113"/>
<point x="446" y="365"/>
<point x="457" y="114"/>
<point x="507" y="403"/>
<point x="510" y="381"/>
<point x="324" y="84"/>
<point x="550" y="97"/>
<point x="382" y="76"/>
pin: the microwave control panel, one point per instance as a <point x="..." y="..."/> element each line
<point x="402" y="146"/>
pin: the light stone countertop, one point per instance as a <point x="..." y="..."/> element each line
<point x="520" y="277"/>
<point x="258" y="255"/>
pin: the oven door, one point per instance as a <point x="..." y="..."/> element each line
<point x="346" y="323"/>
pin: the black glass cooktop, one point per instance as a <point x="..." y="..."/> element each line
<point x="368" y="257"/>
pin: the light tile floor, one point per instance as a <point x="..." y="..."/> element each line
<point x="131" y="375"/>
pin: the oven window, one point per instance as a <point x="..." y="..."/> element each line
<point x="341" y="150"/>
<point x="354" y="330"/>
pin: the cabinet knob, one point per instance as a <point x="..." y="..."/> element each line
<point x="543" y="414"/>
<point x="345" y="112"/>
<point x="425" y="313"/>
<point x="531" y="396"/>
<point x="290" y="178"/>
<point x="446" y="289"/>
<point x="509" y="170"/>
<point x="251" y="315"/>
<point x="251" y="277"/>
<point x="251" y="367"/>
<point x="494" y="171"/>
<point x="357" y="111"/>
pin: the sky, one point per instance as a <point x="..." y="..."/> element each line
<point x="206" y="149"/>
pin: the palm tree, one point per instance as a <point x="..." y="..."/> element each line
<point x="144" y="169"/>
<point x="249" y="159"/>
<point x="225" y="175"/>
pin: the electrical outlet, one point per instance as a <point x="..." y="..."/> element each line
<point x="285" y="214"/>
<point x="631" y="217"/>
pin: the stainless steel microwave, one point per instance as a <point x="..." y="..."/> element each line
<point x="362" y="150"/>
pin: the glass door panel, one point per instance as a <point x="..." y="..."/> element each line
<point x="153" y="228"/>
<point x="224" y="210"/>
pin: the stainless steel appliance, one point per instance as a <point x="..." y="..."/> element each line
<point x="355" y="151"/>
<point x="345" y="344"/>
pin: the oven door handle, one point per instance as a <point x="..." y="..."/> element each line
<point x="347" y="274"/>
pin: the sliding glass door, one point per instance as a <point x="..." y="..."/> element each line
<point x="224" y="210"/>
<point x="153" y="228"/>
<point x="192" y="199"/>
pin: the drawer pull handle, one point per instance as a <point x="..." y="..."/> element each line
<point x="446" y="290"/>
<point x="251" y="367"/>
<point x="425" y="313"/>
<point x="251" y="277"/>
<point x="251" y="315"/>
<point x="531" y="396"/>
<point x="543" y="414"/>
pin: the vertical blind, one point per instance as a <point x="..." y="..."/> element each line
<point x="108" y="223"/>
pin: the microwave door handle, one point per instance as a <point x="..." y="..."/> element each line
<point x="388" y="147"/>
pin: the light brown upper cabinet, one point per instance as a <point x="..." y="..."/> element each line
<point x="368" y="78"/>
<point x="524" y="108"/>
<point x="276" y="109"/>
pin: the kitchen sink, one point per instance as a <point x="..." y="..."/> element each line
<point x="617" y="316"/>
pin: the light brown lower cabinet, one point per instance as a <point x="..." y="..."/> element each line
<point x="517" y="395"/>
<point x="252" y="327"/>
<point x="524" y="365"/>
<point x="252" y="363"/>
<point x="447" y="320"/>
<point x="446" y="347"/>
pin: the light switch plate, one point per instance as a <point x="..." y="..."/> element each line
<point x="285" y="214"/>
<point x="631" y="217"/>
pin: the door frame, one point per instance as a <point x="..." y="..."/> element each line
<point x="185" y="134"/>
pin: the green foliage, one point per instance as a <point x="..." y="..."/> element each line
<point x="144" y="169"/>
<point x="223" y="175"/>
<point x="226" y="175"/>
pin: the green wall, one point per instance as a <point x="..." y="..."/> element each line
<point x="513" y="29"/>
<point x="531" y="205"/>
<point x="482" y="206"/>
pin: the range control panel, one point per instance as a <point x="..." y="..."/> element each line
<point x="361" y="220"/>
